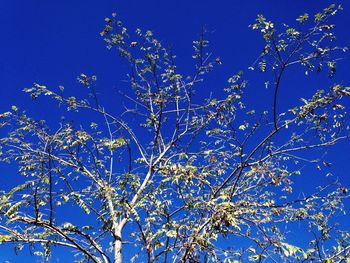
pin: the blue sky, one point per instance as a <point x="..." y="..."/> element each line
<point x="52" y="42"/>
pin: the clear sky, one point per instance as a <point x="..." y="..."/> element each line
<point x="52" y="41"/>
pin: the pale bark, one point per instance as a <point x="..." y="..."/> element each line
<point x="118" y="256"/>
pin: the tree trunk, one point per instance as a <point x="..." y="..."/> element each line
<point x="118" y="248"/>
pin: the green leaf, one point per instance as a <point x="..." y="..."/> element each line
<point x="303" y="18"/>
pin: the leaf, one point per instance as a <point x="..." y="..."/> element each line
<point x="262" y="65"/>
<point x="290" y="250"/>
<point x="254" y="257"/>
<point x="11" y="212"/>
<point x="213" y="102"/>
<point x="65" y="198"/>
<point x="171" y="233"/>
<point x="243" y="126"/>
<point x="251" y="250"/>
<point x="4" y="238"/>
<point x="303" y="18"/>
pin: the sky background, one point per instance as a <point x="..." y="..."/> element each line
<point x="53" y="41"/>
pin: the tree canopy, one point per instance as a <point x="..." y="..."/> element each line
<point x="177" y="177"/>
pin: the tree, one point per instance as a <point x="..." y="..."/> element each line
<point x="186" y="174"/>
